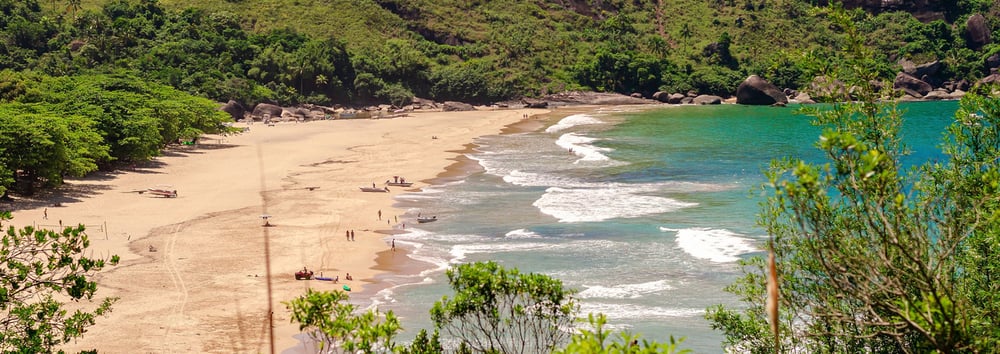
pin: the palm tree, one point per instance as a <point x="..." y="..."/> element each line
<point x="72" y="6"/>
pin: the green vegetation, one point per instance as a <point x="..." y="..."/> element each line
<point x="51" y="127"/>
<point x="505" y="311"/>
<point x="332" y="323"/>
<point x="869" y="257"/>
<point x="41" y="268"/>
<point x="493" y="310"/>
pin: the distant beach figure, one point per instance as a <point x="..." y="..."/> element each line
<point x="347" y="234"/>
<point x="349" y="277"/>
<point x="352" y="235"/>
<point x="380" y="214"/>
<point x="45" y="214"/>
<point x="394" y="245"/>
<point x="373" y="184"/>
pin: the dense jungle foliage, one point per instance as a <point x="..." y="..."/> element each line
<point x="368" y="51"/>
<point x="64" y="62"/>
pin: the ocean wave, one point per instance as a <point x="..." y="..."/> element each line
<point x="459" y="252"/>
<point x="618" y="311"/>
<point x="572" y="121"/>
<point x="716" y="245"/>
<point x="599" y="204"/>
<point x="581" y="146"/>
<point x="623" y="291"/>
<point x="521" y="234"/>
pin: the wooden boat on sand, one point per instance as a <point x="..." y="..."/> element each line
<point x="374" y="189"/>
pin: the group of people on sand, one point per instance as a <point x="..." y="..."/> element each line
<point x="349" y="234"/>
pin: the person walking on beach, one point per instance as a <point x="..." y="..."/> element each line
<point x="45" y="214"/>
<point x="394" y="245"/>
<point x="347" y="234"/>
<point x="380" y="214"/>
<point x="352" y="235"/>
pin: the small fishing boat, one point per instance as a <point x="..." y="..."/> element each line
<point x="374" y="189"/>
<point x="427" y="220"/>
<point x="400" y="184"/>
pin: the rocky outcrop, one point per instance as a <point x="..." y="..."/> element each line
<point x="923" y="10"/>
<point x="530" y="103"/>
<point x="707" y="99"/>
<point x="661" y="96"/>
<point x="803" y="98"/>
<point x="452" y="106"/>
<point x="977" y="31"/>
<point x="268" y="109"/>
<point x="822" y="86"/>
<point x="235" y="110"/>
<point x="592" y="98"/>
<point x="757" y="91"/>
<point x="993" y="61"/>
<point x="910" y="85"/>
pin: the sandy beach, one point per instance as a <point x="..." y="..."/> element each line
<point x="200" y="271"/>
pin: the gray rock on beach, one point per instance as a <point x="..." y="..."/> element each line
<point x="452" y="106"/>
<point x="235" y="110"/>
<point x="707" y="99"/>
<point x="911" y="85"/>
<point x="271" y="110"/>
<point x="757" y="91"/>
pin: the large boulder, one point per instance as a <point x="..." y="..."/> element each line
<point x="977" y="31"/>
<point x="757" y="91"/>
<point x="272" y="111"/>
<point x="826" y="88"/>
<point x="927" y="69"/>
<point x="992" y="79"/>
<point x="993" y="61"/>
<point x="911" y="85"/>
<point x="707" y="99"/>
<point x="676" y="98"/>
<point x="661" y="96"/>
<point x="533" y="103"/>
<point x="452" y="106"/>
<point x="235" y="110"/>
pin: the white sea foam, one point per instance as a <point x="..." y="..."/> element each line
<point x="572" y="121"/>
<point x="716" y="245"/>
<point x="599" y="204"/>
<point x="634" y="311"/>
<point x="623" y="291"/>
<point x="582" y="146"/>
<point x="459" y="252"/>
<point x="521" y="234"/>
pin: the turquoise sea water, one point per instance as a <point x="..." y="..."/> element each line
<point x="645" y="212"/>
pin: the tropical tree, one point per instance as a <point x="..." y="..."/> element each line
<point x="595" y="340"/>
<point x="871" y="258"/>
<point x="504" y="311"/>
<point x="40" y="269"/>
<point x="332" y="322"/>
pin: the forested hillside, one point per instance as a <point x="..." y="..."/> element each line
<point x="361" y="52"/>
<point x="483" y="51"/>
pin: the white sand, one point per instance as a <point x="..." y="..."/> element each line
<point x="205" y="287"/>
